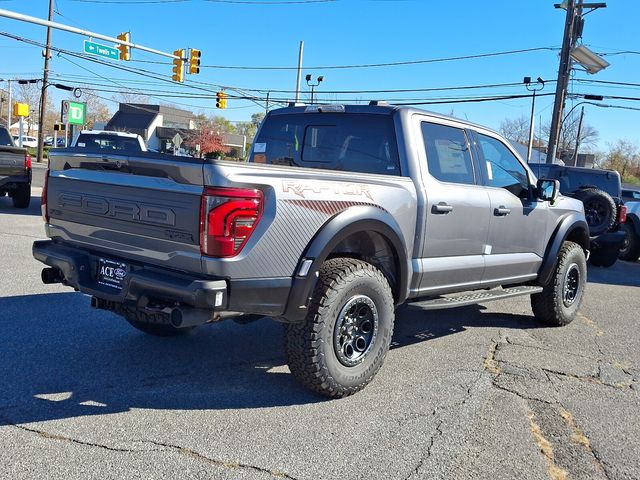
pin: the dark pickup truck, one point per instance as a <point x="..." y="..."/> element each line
<point x="600" y="191"/>
<point x="15" y="171"/>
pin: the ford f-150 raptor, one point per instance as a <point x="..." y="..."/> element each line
<point x="341" y="214"/>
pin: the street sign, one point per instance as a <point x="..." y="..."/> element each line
<point x="74" y="112"/>
<point x="101" y="50"/>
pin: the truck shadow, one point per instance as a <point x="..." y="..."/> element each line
<point x="61" y="360"/>
<point x="7" y="208"/>
<point x="621" y="273"/>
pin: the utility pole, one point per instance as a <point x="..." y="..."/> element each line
<point x="10" y="109"/>
<point x="299" y="70"/>
<point x="45" y="82"/>
<point x="573" y="27"/>
<point x="568" y="42"/>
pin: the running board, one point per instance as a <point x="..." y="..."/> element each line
<point x="471" y="298"/>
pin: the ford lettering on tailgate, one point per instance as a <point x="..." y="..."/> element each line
<point x="115" y="208"/>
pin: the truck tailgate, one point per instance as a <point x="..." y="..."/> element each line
<point x="144" y="208"/>
<point x="11" y="161"/>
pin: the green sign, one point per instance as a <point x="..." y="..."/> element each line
<point x="74" y="112"/>
<point x="101" y="50"/>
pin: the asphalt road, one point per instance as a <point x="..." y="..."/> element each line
<point x="476" y="392"/>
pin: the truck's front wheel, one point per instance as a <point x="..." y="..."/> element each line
<point x="340" y="346"/>
<point x="560" y="299"/>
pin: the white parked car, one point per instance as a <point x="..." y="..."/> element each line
<point x="26" y="141"/>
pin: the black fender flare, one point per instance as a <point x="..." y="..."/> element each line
<point x="572" y="225"/>
<point x="351" y="221"/>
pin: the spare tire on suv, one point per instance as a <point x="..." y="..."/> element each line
<point x="599" y="208"/>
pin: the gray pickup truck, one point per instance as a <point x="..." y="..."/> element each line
<point x="341" y="214"/>
<point x="15" y="171"/>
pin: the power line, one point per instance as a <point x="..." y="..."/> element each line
<point x="241" y="2"/>
<point x="371" y="65"/>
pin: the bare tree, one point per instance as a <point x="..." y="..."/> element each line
<point x="97" y="110"/>
<point x="29" y="93"/>
<point x="569" y="132"/>
<point x="516" y="129"/>
<point x="131" y="97"/>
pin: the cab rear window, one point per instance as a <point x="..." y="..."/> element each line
<point x="5" y="138"/>
<point x="349" y="142"/>
<point x="108" y="142"/>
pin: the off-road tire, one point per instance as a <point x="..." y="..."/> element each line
<point x="550" y="305"/>
<point x="599" y="209"/>
<point x="311" y="348"/>
<point x="604" y="257"/>
<point x="21" y="196"/>
<point x="630" y="251"/>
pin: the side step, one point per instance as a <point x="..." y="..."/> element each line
<point x="471" y="298"/>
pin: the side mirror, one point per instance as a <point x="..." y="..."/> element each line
<point x="548" y="190"/>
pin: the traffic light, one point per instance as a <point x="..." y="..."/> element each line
<point x="221" y="100"/>
<point x="125" y="50"/>
<point x="178" y="66"/>
<point x="194" y="61"/>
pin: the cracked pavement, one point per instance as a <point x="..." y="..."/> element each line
<point x="475" y="392"/>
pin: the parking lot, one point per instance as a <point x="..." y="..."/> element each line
<point x="474" y="392"/>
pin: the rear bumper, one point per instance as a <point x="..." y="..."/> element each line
<point x="12" y="181"/>
<point x="140" y="286"/>
<point x="144" y="285"/>
<point x="608" y="241"/>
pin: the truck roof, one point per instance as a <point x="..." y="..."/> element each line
<point x="374" y="107"/>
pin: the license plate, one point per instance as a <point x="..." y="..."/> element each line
<point x="111" y="273"/>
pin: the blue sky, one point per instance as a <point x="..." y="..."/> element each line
<point x="344" y="32"/>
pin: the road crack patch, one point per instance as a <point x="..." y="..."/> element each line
<point x="490" y="363"/>
<point x="555" y="472"/>
<point x="231" y="465"/>
<point x="578" y="437"/>
<point x="62" y="438"/>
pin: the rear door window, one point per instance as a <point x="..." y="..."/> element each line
<point x="350" y="142"/>
<point x="448" y="153"/>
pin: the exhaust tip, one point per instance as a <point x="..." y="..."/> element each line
<point x="176" y="317"/>
<point x="51" y="275"/>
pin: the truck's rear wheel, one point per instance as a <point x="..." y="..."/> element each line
<point x="604" y="256"/>
<point x="560" y="299"/>
<point x="21" y="196"/>
<point x="340" y="346"/>
<point x="630" y="250"/>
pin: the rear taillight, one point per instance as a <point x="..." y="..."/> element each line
<point x="622" y="214"/>
<point x="43" y="198"/>
<point x="228" y="217"/>
<point x="27" y="161"/>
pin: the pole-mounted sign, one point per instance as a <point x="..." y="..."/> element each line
<point x="74" y="113"/>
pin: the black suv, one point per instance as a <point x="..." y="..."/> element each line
<point x="601" y="193"/>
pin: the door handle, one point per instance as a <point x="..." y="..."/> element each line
<point x="501" y="211"/>
<point x="441" y="207"/>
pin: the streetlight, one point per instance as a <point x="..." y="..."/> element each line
<point x="532" y="88"/>
<point x="313" y="85"/>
